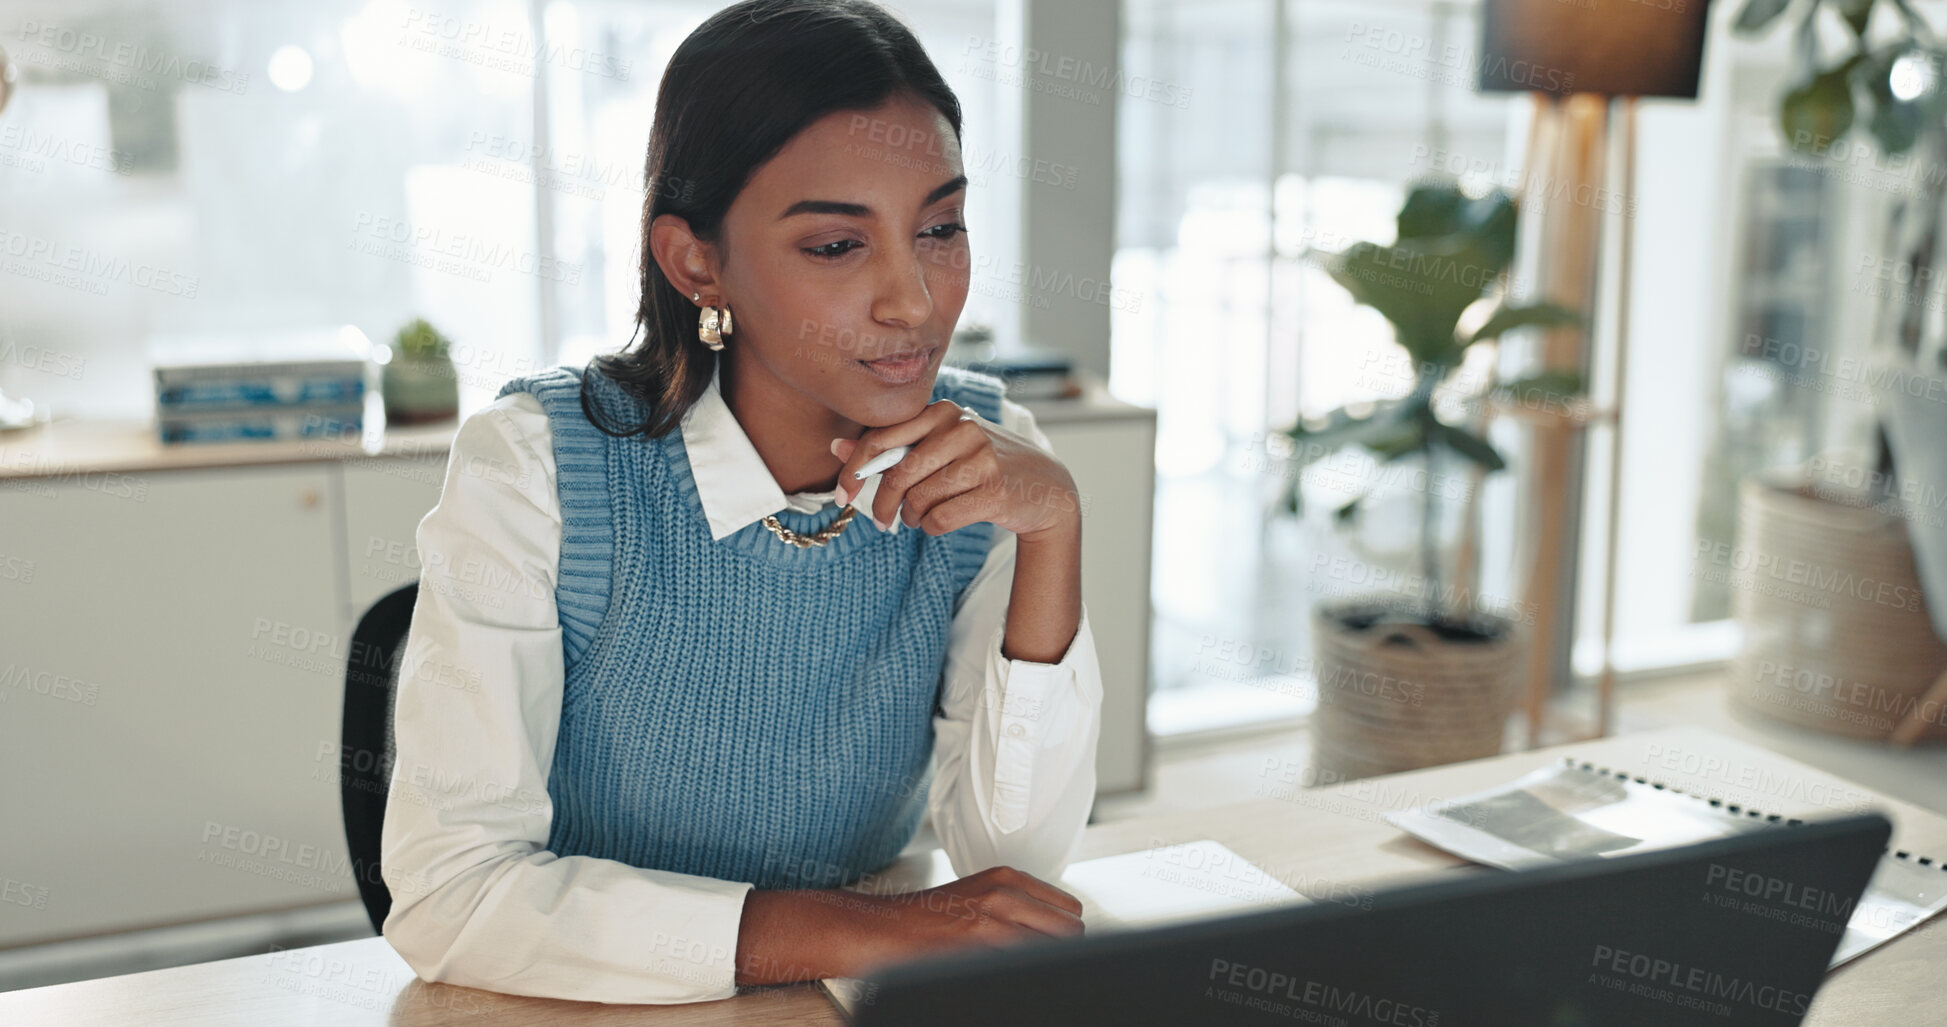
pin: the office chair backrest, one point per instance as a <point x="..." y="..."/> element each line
<point x="365" y="739"/>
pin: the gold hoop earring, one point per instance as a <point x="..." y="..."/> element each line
<point x="707" y="329"/>
<point x="725" y="326"/>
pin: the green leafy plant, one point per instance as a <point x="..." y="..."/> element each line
<point x="1892" y="86"/>
<point x="1894" y="82"/>
<point x="420" y="341"/>
<point x="1450" y="253"/>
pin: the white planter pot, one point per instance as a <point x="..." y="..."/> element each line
<point x="1396" y="697"/>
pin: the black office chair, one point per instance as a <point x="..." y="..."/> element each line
<point x="365" y="739"/>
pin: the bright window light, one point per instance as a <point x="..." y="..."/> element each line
<point x="290" y="68"/>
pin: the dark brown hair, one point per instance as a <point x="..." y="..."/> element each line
<point x="738" y="89"/>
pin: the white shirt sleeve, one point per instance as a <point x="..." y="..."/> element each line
<point x="1014" y="740"/>
<point x="477" y="899"/>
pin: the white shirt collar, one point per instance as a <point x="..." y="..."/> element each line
<point x="731" y="479"/>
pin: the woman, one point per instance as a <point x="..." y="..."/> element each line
<point x="666" y="688"/>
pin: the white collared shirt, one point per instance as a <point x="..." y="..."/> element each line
<point x="478" y="900"/>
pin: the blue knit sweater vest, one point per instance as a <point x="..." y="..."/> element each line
<point x="740" y="709"/>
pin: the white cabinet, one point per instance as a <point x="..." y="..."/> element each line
<point x="384" y="501"/>
<point x="1109" y="449"/>
<point x="195" y="618"/>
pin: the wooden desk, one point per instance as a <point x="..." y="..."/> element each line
<point x="1326" y="842"/>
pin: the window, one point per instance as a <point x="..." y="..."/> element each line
<point x="1240" y="330"/>
<point x="1746" y="259"/>
<point x="232" y="165"/>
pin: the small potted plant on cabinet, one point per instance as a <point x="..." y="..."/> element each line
<point x="418" y="380"/>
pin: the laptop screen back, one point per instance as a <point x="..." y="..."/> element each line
<point x="1738" y="931"/>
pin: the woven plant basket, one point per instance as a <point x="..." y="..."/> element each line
<point x="1836" y="632"/>
<point x="1395" y="697"/>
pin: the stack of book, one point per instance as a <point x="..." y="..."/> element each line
<point x="1030" y="373"/>
<point x="261" y="386"/>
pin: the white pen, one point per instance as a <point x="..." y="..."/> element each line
<point x="881" y="462"/>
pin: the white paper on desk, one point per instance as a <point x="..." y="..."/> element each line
<point x="1900" y="895"/>
<point x="1564" y="813"/>
<point x="1561" y="813"/>
<point x="1149" y="888"/>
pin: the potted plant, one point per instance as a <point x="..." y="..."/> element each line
<point x="1433" y="679"/>
<point x="418" y="380"/>
<point x="1852" y="660"/>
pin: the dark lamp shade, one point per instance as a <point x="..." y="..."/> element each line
<point x="1606" y="47"/>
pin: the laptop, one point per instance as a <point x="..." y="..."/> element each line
<point x="1728" y="932"/>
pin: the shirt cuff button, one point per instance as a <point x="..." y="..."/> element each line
<point x="1016" y="731"/>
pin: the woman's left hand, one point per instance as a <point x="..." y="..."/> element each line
<point x="962" y="470"/>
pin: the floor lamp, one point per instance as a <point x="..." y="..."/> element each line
<point x="1585" y="67"/>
